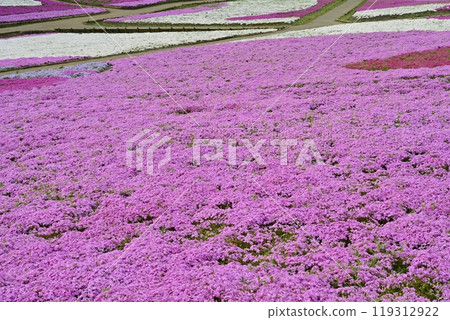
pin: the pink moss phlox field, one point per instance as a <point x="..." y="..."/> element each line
<point x="11" y="64"/>
<point x="49" y="10"/>
<point x="298" y="13"/>
<point x="383" y="4"/>
<point x="379" y="206"/>
<point x="206" y="7"/>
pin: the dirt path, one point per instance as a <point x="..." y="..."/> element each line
<point x="327" y="19"/>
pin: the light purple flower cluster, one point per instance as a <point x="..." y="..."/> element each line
<point x="298" y="13"/>
<point x="205" y="7"/>
<point x="383" y="4"/>
<point x="70" y="207"/>
<point x="38" y="79"/>
<point x="66" y="72"/>
<point x="49" y="10"/>
<point x="11" y="64"/>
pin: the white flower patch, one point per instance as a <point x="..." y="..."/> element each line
<point x="366" y="27"/>
<point x="101" y="44"/>
<point x="399" y="11"/>
<point x="235" y="9"/>
<point x="20" y="3"/>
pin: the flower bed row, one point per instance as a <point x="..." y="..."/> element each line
<point x="139" y="17"/>
<point x="11" y="64"/>
<point x="240" y="11"/>
<point x="383" y="4"/>
<point x="49" y="15"/>
<point x="101" y="44"/>
<point x="66" y="72"/>
<point x="122" y="3"/>
<point x="20" y="3"/>
<point x="38" y="79"/>
<point x="71" y="208"/>
<point x="368" y="27"/>
<point x="47" y="10"/>
<point x="298" y="13"/>
<point x="381" y="8"/>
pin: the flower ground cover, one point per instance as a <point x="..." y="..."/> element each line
<point x="38" y="79"/>
<point x="383" y="4"/>
<point x="136" y="18"/>
<point x="208" y="7"/>
<point x="65" y="72"/>
<point x="19" y="3"/>
<point x="424" y="59"/>
<point x="101" y="44"/>
<point x="71" y="207"/>
<point x="11" y="64"/>
<point x="47" y="10"/>
<point x="368" y="27"/>
<point x="298" y="13"/>
<point x="380" y="8"/>
<point x="284" y="12"/>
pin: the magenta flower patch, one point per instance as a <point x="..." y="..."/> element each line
<point x="78" y="224"/>
<point x="27" y="84"/>
<point x="413" y="60"/>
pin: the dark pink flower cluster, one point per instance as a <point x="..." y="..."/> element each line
<point x="49" y="10"/>
<point x="298" y="13"/>
<point x="70" y="208"/>
<point x="412" y="60"/>
<point x="26" y="84"/>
